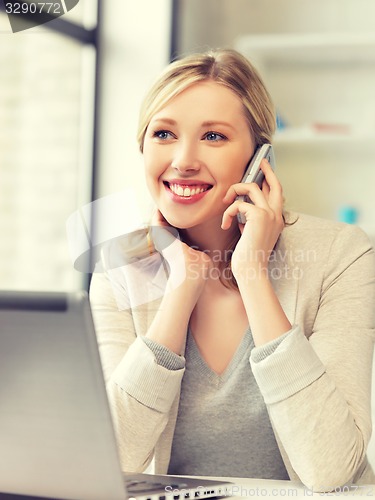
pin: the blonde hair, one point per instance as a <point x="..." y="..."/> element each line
<point x="232" y="70"/>
<point x="226" y="67"/>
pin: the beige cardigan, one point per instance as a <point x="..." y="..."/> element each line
<point x="317" y="391"/>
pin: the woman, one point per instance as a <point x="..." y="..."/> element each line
<point x="255" y="360"/>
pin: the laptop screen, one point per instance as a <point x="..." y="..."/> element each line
<point x="56" y="434"/>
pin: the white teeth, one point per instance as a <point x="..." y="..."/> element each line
<point x="186" y="192"/>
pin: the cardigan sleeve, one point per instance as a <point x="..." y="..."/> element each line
<point x="318" y="390"/>
<point x="140" y="391"/>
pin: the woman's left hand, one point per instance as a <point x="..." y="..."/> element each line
<point x="264" y="222"/>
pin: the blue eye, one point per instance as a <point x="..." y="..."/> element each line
<point x="162" y="134"/>
<point x="214" y="137"/>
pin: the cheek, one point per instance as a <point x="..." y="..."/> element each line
<point x="148" y="166"/>
<point x="233" y="166"/>
<point x="238" y="171"/>
<point x="151" y="164"/>
<point x="154" y="159"/>
<point x="233" y="174"/>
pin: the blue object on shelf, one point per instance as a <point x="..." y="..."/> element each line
<point x="280" y="123"/>
<point x="348" y="214"/>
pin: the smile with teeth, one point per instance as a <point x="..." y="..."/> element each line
<point x="187" y="191"/>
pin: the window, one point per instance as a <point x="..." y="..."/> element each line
<point x="47" y="96"/>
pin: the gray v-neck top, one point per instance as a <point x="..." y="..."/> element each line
<point x="223" y="428"/>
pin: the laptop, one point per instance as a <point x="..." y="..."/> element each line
<point x="56" y="433"/>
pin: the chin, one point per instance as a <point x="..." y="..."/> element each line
<point x="177" y="222"/>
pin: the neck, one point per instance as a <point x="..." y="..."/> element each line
<point x="210" y="238"/>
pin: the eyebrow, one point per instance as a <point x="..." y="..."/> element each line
<point x="166" y="120"/>
<point x="216" y="122"/>
<point x="210" y="123"/>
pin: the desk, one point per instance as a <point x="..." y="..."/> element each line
<point x="262" y="489"/>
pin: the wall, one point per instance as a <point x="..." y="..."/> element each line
<point x="136" y="45"/>
<point x="216" y="23"/>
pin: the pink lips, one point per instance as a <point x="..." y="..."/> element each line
<point x="186" y="192"/>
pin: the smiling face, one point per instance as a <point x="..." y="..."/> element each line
<point x="195" y="148"/>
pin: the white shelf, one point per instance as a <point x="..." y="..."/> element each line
<point x="316" y="48"/>
<point x="309" y="135"/>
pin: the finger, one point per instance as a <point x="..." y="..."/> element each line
<point x="275" y="191"/>
<point x="251" y="190"/>
<point x="235" y="190"/>
<point x="265" y="189"/>
<point x="163" y="236"/>
<point x="231" y="212"/>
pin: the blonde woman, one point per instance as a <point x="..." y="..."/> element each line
<point x="255" y="360"/>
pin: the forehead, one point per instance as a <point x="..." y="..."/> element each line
<point x="206" y="99"/>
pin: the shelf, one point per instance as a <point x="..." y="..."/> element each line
<point x="312" y="48"/>
<point x="310" y="135"/>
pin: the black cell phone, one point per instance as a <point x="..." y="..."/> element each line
<point x="253" y="172"/>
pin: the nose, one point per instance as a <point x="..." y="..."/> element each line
<point x="186" y="160"/>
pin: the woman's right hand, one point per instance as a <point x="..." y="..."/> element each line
<point x="188" y="267"/>
<point x="188" y="273"/>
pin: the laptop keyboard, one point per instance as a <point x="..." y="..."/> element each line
<point x="134" y="486"/>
